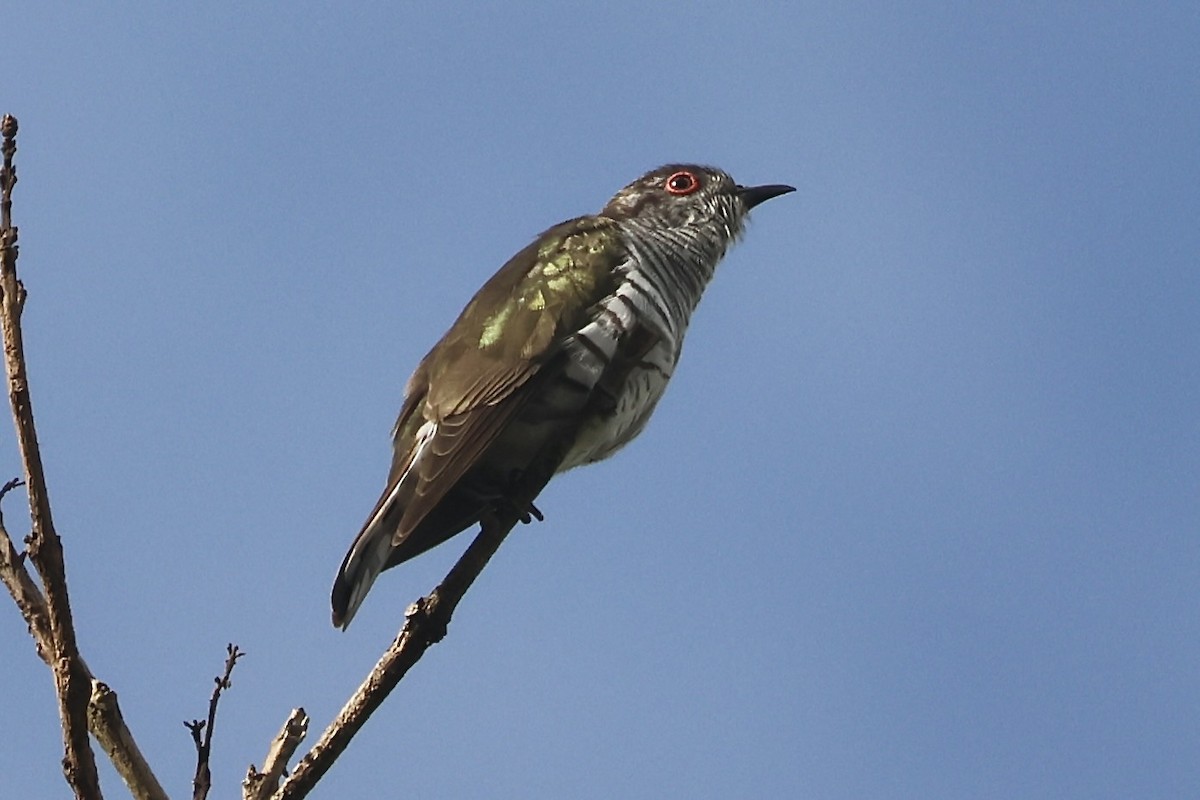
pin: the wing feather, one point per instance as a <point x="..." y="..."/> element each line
<point x="468" y="389"/>
<point x="487" y="366"/>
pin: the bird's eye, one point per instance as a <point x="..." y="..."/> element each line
<point x="682" y="182"/>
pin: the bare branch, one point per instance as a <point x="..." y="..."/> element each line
<point x="104" y="716"/>
<point x="108" y="726"/>
<point x="8" y="177"/>
<point x="425" y="624"/>
<point x="202" y="730"/>
<point x="71" y="681"/>
<point x="261" y="785"/>
<point x="24" y="591"/>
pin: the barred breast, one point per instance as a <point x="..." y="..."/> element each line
<point x="629" y="350"/>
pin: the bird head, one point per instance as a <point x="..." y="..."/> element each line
<point x="690" y="198"/>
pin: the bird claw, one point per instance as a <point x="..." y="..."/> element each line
<point x="525" y="515"/>
<point x="526" y="512"/>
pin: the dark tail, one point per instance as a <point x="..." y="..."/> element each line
<point x="368" y="557"/>
<point x="359" y="570"/>
<point x="376" y="548"/>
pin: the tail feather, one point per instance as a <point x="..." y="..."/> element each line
<point x="360" y="568"/>
<point x="372" y="548"/>
<point x="381" y="544"/>
<point x="367" y="558"/>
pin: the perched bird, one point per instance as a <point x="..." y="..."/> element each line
<point x="557" y="361"/>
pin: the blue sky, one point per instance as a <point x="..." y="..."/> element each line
<point x="917" y="518"/>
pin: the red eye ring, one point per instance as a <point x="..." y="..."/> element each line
<point x="681" y="183"/>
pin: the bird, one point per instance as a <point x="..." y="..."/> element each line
<point x="556" y="362"/>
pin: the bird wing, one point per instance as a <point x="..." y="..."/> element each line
<point x="487" y="366"/>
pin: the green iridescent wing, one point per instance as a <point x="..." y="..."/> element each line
<point x="481" y="373"/>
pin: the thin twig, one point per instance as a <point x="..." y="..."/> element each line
<point x="71" y="680"/>
<point x="202" y="730"/>
<point x="8" y="178"/>
<point x="24" y="591"/>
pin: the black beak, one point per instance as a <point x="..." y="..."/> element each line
<point x="753" y="195"/>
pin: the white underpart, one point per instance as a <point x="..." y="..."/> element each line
<point x="657" y="294"/>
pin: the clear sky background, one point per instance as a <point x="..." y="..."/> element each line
<point x="919" y="516"/>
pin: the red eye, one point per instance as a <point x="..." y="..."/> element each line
<point x="682" y="182"/>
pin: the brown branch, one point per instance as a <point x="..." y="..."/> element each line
<point x="202" y="730"/>
<point x="425" y="624"/>
<point x="108" y="726"/>
<point x="71" y="681"/>
<point x="104" y="715"/>
<point x="24" y="591"/>
<point x="261" y="785"/>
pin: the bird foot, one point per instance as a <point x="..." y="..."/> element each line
<point x="526" y="512"/>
